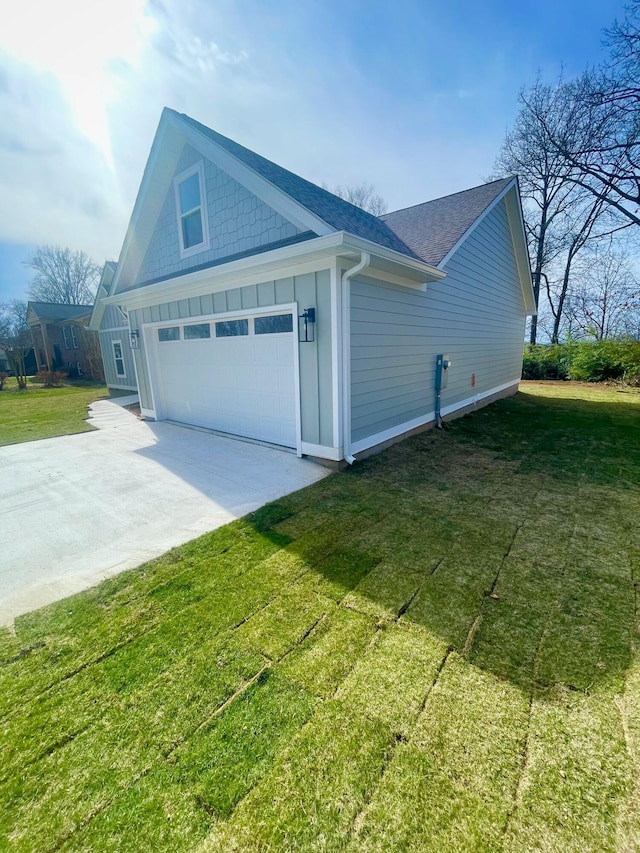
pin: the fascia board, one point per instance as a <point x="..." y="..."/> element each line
<point x="98" y="305"/>
<point x="516" y="224"/>
<point x="218" y="277"/>
<point x="315" y="250"/>
<point x="96" y="314"/>
<point x="166" y="147"/>
<point x="422" y="271"/>
<point x="477" y="222"/>
<point x="276" y="198"/>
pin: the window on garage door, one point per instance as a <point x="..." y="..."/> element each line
<point x="169" y="333"/>
<point x="232" y="328"/>
<point x="197" y="331"/>
<point x="273" y="324"/>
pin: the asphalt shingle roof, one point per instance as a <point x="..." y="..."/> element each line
<point x="433" y="228"/>
<point x="336" y="212"/>
<point x="425" y="231"/>
<point x="57" y="312"/>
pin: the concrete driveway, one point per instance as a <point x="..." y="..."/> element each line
<point x="79" y="508"/>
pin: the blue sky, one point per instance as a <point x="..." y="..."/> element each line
<point x="414" y="97"/>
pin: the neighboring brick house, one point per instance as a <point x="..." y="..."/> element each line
<point x="61" y="340"/>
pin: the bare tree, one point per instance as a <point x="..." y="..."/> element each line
<point x="544" y="175"/>
<point x="15" y="337"/>
<point x="93" y="355"/>
<point x="62" y="276"/>
<point x="361" y="195"/>
<point x="600" y="136"/>
<point x="607" y="304"/>
<point x="587" y="223"/>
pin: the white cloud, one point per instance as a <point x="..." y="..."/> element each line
<point x="82" y="86"/>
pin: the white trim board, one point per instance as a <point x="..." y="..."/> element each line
<point x="336" y="355"/>
<point x="290" y="260"/>
<point x="321" y="451"/>
<point x="477" y="222"/>
<point x="205" y="245"/>
<point x="269" y="193"/>
<point x="422" y="420"/>
<point x="122" y="387"/>
<point x="281" y="308"/>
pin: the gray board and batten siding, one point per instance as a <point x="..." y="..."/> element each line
<point x="238" y="222"/>
<point x="476" y="315"/>
<point x="113" y="327"/>
<point x="308" y="290"/>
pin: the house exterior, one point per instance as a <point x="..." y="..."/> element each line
<point x="62" y="341"/>
<point x="261" y="305"/>
<point x="112" y="325"/>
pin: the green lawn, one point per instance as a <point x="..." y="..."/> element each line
<point x="435" y="650"/>
<point x="40" y="412"/>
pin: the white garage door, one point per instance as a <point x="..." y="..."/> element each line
<point x="233" y="375"/>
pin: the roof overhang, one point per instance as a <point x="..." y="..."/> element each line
<point x="389" y="264"/>
<point x="515" y="215"/>
<point x="103" y="289"/>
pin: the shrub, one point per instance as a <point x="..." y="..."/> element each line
<point x="547" y="361"/>
<point x="586" y="361"/>
<point x="599" y="361"/>
<point x="51" y="378"/>
<point x="3" y="378"/>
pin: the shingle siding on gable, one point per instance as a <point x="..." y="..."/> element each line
<point x="476" y="315"/>
<point x="238" y="221"/>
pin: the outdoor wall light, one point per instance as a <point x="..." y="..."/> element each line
<point x="134" y="339"/>
<point x="306" y="325"/>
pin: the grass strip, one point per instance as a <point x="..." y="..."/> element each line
<point x="451" y="786"/>
<point x="315" y="789"/>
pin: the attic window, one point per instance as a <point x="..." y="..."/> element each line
<point x="192" y="222"/>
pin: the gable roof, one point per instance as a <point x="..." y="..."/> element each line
<point x="433" y="229"/>
<point x="425" y="234"/>
<point x="58" y="312"/>
<point x="103" y="289"/>
<point x="339" y="214"/>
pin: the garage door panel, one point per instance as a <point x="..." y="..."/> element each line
<point x="241" y="384"/>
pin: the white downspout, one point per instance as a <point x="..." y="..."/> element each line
<point x="365" y="260"/>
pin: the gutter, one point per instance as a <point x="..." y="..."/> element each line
<point x="365" y="260"/>
<point x="329" y="246"/>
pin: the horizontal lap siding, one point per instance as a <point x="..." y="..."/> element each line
<point x="390" y="375"/>
<point x="309" y="290"/>
<point x="476" y="315"/>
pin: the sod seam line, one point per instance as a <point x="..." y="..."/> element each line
<point x="176" y="613"/>
<point x="552" y="610"/>
<point x="67" y="676"/>
<point x="524" y="767"/>
<point x="360" y="817"/>
<point x="165" y="755"/>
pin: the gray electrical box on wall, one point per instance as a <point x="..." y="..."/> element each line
<point x="443" y="363"/>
